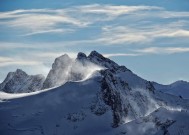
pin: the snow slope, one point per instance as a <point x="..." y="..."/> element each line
<point x="161" y="122"/>
<point x="178" y="88"/>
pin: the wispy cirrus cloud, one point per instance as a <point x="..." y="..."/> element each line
<point x="171" y="14"/>
<point x="47" y="55"/>
<point x="8" y="61"/>
<point x="19" y="63"/>
<point x="51" y="31"/>
<point x="38" y="21"/>
<point x="122" y="54"/>
<point x="150" y="51"/>
<point x="135" y="34"/>
<point x="163" y="50"/>
<point x="5" y="59"/>
<point x="114" y="10"/>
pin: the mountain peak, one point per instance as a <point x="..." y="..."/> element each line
<point x="81" y="55"/>
<point x="95" y="54"/>
<point x="62" y="57"/>
<point x="179" y="83"/>
<point x="99" y="59"/>
<point x="61" y="61"/>
<point x="20" y="72"/>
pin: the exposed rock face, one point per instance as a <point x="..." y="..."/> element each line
<point x="59" y="73"/>
<point x="127" y="103"/>
<point x="81" y="56"/>
<point x="20" y="82"/>
<point x="111" y="89"/>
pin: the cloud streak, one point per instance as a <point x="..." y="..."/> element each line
<point x="7" y="61"/>
<point x="114" y="10"/>
<point x="121" y="54"/>
<point x="135" y="34"/>
<point x="150" y="51"/>
<point x="51" y="31"/>
<point x="163" y="50"/>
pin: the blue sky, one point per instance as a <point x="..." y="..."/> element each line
<point x="149" y="37"/>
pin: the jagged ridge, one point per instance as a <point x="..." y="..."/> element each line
<point x="20" y="82"/>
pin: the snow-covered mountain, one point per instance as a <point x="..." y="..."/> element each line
<point x="20" y="82"/>
<point x="93" y="95"/>
<point x="178" y="88"/>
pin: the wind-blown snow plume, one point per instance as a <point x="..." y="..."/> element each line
<point x="66" y="69"/>
<point x="85" y="70"/>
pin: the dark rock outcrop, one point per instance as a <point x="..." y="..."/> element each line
<point x="20" y="82"/>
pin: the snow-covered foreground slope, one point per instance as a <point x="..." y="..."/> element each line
<point x="85" y="107"/>
<point x="178" y="88"/>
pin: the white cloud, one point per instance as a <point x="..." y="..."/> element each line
<point x="39" y="21"/>
<point x="150" y="51"/>
<point x="172" y="14"/>
<point x="20" y="12"/>
<point x="12" y="45"/>
<point x="48" y="31"/>
<point x="36" y="22"/>
<point x="174" y="33"/>
<point x="114" y="10"/>
<point x="163" y="50"/>
<point x="9" y="61"/>
<point x="5" y="59"/>
<point x="19" y="62"/>
<point x="38" y="46"/>
<point x="120" y="54"/>
<point x="53" y="55"/>
<point x="141" y="34"/>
